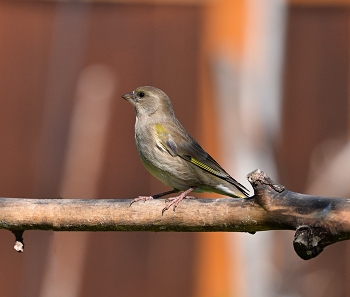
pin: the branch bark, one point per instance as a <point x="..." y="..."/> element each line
<point x="318" y="221"/>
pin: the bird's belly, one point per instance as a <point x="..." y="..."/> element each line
<point x="168" y="169"/>
<point x="170" y="177"/>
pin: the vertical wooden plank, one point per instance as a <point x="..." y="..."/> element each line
<point x="316" y="87"/>
<point x="24" y="54"/>
<point x="315" y="109"/>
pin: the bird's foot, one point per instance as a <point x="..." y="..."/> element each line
<point x="173" y="198"/>
<point x="144" y="198"/>
<point x="156" y="196"/>
<point x="174" y="201"/>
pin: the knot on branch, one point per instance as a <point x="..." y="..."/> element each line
<point x="259" y="177"/>
<point x="306" y="242"/>
<point x="264" y="188"/>
<point x="19" y="244"/>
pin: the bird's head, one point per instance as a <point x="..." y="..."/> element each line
<point x="148" y="101"/>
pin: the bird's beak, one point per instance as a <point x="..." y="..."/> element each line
<point x="129" y="97"/>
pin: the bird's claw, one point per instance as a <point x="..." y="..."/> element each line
<point x="174" y="198"/>
<point x="144" y="198"/>
<point x="174" y="201"/>
<point x="169" y="205"/>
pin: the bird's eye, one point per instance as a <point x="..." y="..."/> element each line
<point x="141" y="94"/>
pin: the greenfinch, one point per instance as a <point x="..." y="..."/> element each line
<point x="171" y="155"/>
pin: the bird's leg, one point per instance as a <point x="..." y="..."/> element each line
<point x="156" y="196"/>
<point x="176" y="200"/>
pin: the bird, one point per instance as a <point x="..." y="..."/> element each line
<point x="171" y="154"/>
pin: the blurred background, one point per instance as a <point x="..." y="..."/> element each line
<point x="260" y="84"/>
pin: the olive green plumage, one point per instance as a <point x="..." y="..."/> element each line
<point x="170" y="153"/>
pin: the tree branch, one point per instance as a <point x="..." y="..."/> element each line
<point x="318" y="221"/>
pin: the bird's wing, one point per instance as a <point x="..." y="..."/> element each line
<point x="194" y="153"/>
<point x="184" y="146"/>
